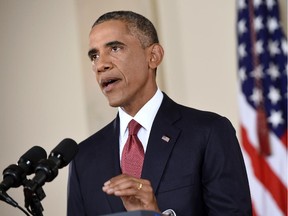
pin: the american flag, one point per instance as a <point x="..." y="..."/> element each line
<point x="262" y="73"/>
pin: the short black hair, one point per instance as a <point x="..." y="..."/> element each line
<point x="138" y="25"/>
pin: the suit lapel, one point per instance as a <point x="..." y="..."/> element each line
<point x="114" y="202"/>
<point x="162" y="139"/>
<point x="161" y="142"/>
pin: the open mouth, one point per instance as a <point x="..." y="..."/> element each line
<point x="108" y="82"/>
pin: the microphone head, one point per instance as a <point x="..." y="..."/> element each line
<point x="65" y="150"/>
<point x="29" y="160"/>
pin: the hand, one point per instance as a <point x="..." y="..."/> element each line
<point x="136" y="194"/>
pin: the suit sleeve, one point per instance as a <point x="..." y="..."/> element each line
<point x="225" y="184"/>
<point x="75" y="205"/>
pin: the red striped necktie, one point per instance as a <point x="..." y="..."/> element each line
<point x="133" y="152"/>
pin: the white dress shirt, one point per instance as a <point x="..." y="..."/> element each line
<point x="145" y="117"/>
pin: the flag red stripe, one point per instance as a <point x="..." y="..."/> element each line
<point x="265" y="174"/>
<point x="253" y="210"/>
<point x="284" y="139"/>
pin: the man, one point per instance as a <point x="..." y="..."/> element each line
<point x="193" y="164"/>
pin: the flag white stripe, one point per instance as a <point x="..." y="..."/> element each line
<point x="277" y="161"/>
<point x="263" y="202"/>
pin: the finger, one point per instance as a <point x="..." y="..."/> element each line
<point x="121" y="182"/>
<point x="118" y="180"/>
<point x="131" y="187"/>
<point x="140" y="185"/>
<point x="139" y="188"/>
<point x="112" y="182"/>
<point x="126" y="184"/>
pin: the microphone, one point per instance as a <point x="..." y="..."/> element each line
<point x="47" y="169"/>
<point x="14" y="175"/>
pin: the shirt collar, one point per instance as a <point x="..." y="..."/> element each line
<point x="145" y="116"/>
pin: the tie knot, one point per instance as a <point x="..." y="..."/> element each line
<point x="133" y="127"/>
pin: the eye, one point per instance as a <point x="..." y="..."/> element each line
<point x="115" y="48"/>
<point x="94" y="57"/>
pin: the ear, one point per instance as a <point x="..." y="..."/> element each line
<point x="156" y="53"/>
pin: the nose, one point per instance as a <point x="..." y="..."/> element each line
<point x="103" y="64"/>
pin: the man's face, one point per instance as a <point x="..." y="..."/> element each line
<point x="121" y="66"/>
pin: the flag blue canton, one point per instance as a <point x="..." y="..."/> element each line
<point x="262" y="60"/>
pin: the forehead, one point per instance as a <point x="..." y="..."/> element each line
<point x="111" y="30"/>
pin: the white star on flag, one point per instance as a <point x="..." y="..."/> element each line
<point x="273" y="71"/>
<point x="242" y="74"/>
<point x="257" y="3"/>
<point x="241" y="4"/>
<point x="242" y="26"/>
<point x="270" y="4"/>
<point x="258" y="23"/>
<point x="272" y="24"/>
<point x="275" y="118"/>
<point x="258" y="72"/>
<point x="256" y="96"/>
<point x="273" y="47"/>
<point x="241" y="50"/>
<point x="274" y="95"/>
<point x="259" y="47"/>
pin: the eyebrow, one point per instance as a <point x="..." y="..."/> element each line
<point x="109" y="44"/>
<point x="91" y="52"/>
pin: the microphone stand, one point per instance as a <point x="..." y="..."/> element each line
<point x="33" y="198"/>
<point x="6" y="198"/>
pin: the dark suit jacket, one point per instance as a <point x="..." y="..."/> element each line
<point x="198" y="171"/>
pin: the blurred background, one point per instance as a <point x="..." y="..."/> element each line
<point x="48" y="91"/>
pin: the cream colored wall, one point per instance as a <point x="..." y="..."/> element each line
<point x="41" y="88"/>
<point x="201" y="64"/>
<point x="47" y="89"/>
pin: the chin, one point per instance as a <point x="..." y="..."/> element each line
<point x="114" y="103"/>
<point x="115" y="100"/>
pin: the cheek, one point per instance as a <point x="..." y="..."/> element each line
<point x="94" y="69"/>
<point x="97" y="79"/>
<point x="134" y="64"/>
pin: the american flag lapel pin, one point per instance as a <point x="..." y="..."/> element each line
<point x="165" y="138"/>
